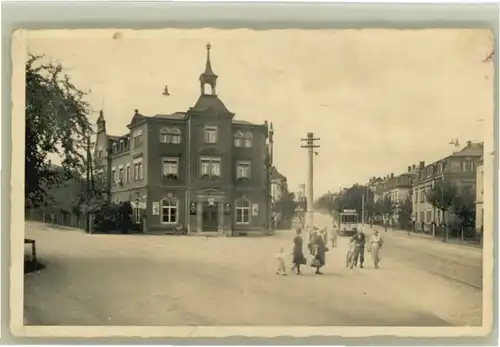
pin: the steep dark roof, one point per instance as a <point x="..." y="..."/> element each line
<point x="206" y="102"/>
<point x="243" y="122"/>
<point x="137" y="118"/>
<point x="175" y="116"/>
<point x="470" y="149"/>
<point x="275" y="174"/>
<point x="114" y="137"/>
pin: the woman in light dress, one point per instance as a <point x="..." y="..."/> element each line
<point x="374" y="247"/>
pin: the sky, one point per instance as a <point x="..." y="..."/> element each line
<point x="379" y="100"/>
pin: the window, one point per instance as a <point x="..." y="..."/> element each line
<point x="467" y="166"/>
<point x="210" y="166"/>
<point x="169" y="211"/>
<point x="99" y="153"/>
<point x="210" y="134"/>
<point x="238" y="139"/>
<point x="170" y="135"/>
<point x="127" y="175"/>
<point x="137" y="138"/>
<point x="136" y="211"/>
<point x="113" y="175"/>
<point x="248" y="140"/>
<point x="113" y="148"/>
<point x="120" y="174"/>
<point x="429" y="216"/>
<point x="170" y="167"/>
<point x="455" y="166"/>
<point x="122" y="145"/>
<point x="243" y="139"/>
<point x="138" y="170"/>
<point x="242" y="211"/>
<point x="243" y="170"/>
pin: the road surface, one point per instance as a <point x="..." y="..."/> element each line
<point x="181" y="280"/>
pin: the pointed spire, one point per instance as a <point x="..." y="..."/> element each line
<point x="208" y="77"/>
<point x="208" y="66"/>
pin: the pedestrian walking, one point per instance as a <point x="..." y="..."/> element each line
<point x="374" y="247"/>
<point x="412" y="224"/>
<point x="335" y="235"/>
<point x="281" y="263"/>
<point x="319" y="249"/>
<point x="324" y="234"/>
<point x="298" y="254"/>
<point x="359" y="240"/>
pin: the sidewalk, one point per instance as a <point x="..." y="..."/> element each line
<point x="423" y="236"/>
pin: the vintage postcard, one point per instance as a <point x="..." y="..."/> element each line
<point x="211" y="183"/>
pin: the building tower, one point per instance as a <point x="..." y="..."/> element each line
<point x="208" y="77"/>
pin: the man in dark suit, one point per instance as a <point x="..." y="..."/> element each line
<point x="359" y="241"/>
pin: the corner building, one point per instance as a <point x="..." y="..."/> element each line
<point x="200" y="170"/>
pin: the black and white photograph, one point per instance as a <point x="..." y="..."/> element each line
<point x="275" y="179"/>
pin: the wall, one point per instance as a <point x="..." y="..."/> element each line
<point x="156" y="194"/>
<point x="479" y="197"/>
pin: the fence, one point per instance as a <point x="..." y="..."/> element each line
<point x="55" y="217"/>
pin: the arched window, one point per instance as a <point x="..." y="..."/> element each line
<point x="238" y="139"/>
<point x="169" y="211"/>
<point x="242" y="211"/>
<point x="170" y="135"/>
<point x="248" y="139"/>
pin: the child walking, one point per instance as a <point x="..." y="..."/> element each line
<point x="281" y="262"/>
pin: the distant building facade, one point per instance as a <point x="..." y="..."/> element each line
<point x="200" y="170"/>
<point x="459" y="168"/>
<point x="278" y="184"/>
<point x="279" y="190"/>
<point x="397" y="188"/>
<point x="479" y="196"/>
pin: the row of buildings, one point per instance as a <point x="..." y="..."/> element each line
<point x="201" y="170"/>
<point x="464" y="168"/>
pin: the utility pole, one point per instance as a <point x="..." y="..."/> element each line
<point x="310" y="145"/>
<point x="269" y="160"/>
<point x="362" y="210"/>
<point x="87" y="187"/>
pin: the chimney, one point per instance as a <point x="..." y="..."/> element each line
<point x="422" y="165"/>
<point x="413" y="166"/>
<point x="469" y="143"/>
<point x="409" y="168"/>
<point x="392" y="174"/>
<point x="50" y="162"/>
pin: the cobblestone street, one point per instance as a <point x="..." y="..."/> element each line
<point x="180" y="280"/>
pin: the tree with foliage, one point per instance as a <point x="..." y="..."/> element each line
<point x="67" y="193"/>
<point x="441" y="196"/>
<point x="405" y="211"/>
<point x="350" y="198"/>
<point x="56" y="123"/>
<point x="325" y="202"/>
<point x="386" y="209"/>
<point x="286" y="205"/>
<point x="464" y="207"/>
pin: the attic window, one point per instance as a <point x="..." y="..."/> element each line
<point x="137" y="138"/>
<point x="238" y="139"/>
<point x="248" y="139"/>
<point x="170" y="135"/>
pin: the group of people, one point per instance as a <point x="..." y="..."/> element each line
<point x="317" y="247"/>
<point x="356" y="252"/>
